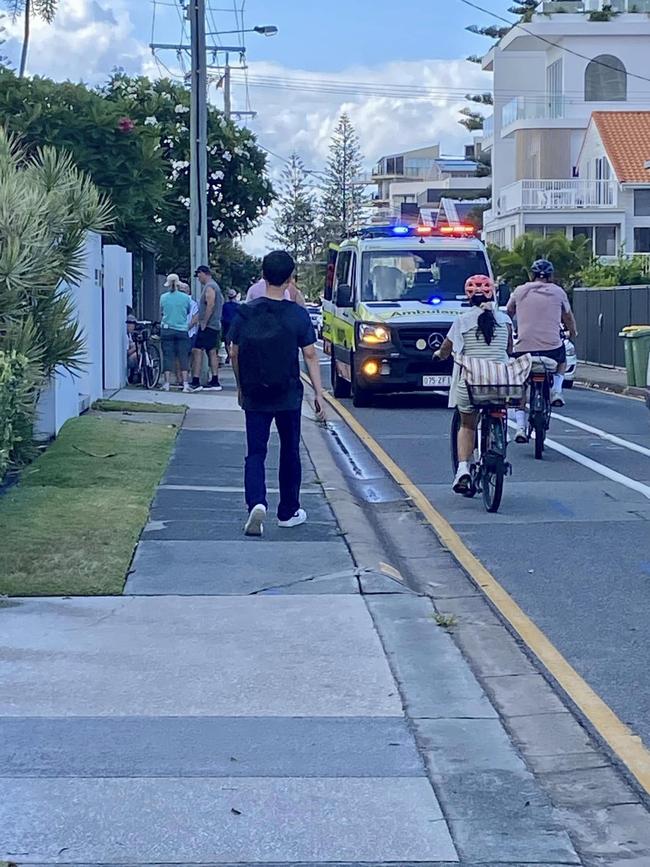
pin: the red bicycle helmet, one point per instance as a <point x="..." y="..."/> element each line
<point x="481" y="284"/>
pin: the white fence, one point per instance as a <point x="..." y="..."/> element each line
<point x="101" y="300"/>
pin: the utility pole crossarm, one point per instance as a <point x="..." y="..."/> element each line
<point x="173" y="46"/>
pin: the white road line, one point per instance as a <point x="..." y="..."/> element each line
<point x="601" y="469"/>
<point x="612" y="438"/>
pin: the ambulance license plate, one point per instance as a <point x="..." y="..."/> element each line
<point x="436" y="381"/>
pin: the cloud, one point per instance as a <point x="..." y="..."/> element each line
<point x="90" y="37"/>
<point x="87" y="39"/>
<point x="290" y="120"/>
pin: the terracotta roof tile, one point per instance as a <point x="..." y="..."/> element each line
<point x="626" y="138"/>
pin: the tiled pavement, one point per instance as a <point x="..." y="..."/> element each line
<point x="239" y="704"/>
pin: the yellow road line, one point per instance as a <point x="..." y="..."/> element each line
<point x="624" y="743"/>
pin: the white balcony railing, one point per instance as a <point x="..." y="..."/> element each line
<point x="532" y="108"/>
<point x="557" y="195"/>
<point x="488" y="127"/>
<point x="549" y="7"/>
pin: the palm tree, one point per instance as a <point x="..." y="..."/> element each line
<point x="45" y="9"/>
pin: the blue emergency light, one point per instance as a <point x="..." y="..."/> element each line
<point x="435" y="299"/>
<point x="400" y="230"/>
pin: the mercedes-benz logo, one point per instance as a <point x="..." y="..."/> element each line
<point x="435" y="340"/>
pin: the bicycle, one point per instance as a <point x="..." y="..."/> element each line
<point x="539" y="400"/>
<point x="149" y="361"/>
<point x="489" y="466"/>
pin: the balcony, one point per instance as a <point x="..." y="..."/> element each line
<point x="560" y="195"/>
<point x="488" y="130"/>
<point x="550" y="7"/>
<point x="523" y="108"/>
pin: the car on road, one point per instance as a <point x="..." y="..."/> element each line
<point x="647" y="385"/>
<point x="391" y="296"/>
<point x="571" y="363"/>
<point x="316" y="315"/>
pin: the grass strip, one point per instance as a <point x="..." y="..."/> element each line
<point x="127" y="406"/>
<point x="70" y="526"/>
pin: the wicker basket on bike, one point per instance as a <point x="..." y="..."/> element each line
<point x="494" y="383"/>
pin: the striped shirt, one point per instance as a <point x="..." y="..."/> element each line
<point x="476" y="347"/>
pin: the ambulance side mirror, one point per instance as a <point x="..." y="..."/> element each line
<point x="343" y="295"/>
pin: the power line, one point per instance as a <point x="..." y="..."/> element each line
<point x="550" y="42"/>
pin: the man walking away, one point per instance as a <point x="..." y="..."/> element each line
<point x="266" y="338"/>
<point x="208" y="338"/>
<point x="228" y="316"/>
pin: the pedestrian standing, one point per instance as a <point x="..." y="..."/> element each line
<point x="208" y="338"/>
<point x="192" y="319"/>
<point x="267" y="337"/>
<point x="228" y="315"/>
<point x="174" y="311"/>
<point x="291" y="293"/>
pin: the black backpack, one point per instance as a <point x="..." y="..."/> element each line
<point x="267" y="350"/>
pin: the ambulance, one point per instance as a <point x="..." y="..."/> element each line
<point x="391" y="295"/>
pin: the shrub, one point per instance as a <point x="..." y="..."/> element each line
<point x="17" y="381"/>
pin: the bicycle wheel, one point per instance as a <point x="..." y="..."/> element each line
<point x="539" y="428"/>
<point x="151" y="367"/>
<point x="492" y="462"/>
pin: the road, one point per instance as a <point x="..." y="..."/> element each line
<point x="571" y="542"/>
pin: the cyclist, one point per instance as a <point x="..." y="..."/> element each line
<point x="482" y="332"/>
<point x="542" y="308"/>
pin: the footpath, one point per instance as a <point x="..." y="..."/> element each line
<point x="607" y="379"/>
<point x="336" y="694"/>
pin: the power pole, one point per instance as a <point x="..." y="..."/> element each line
<point x="227" y="104"/>
<point x="198" y="137"/>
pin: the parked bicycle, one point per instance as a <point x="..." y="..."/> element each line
<point x="540" y="384"/>
<point x="146" y="337"/>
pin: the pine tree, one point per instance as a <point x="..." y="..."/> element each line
<point x="295" y="226"/>
<point x="480" y="98"/>
<point x="471" y="120"/>
<point x="343" y="200"/>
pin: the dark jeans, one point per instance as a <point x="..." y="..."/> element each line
<point x="258" y="429"/>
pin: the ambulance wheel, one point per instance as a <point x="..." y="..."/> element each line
<point x="340" y="386"/>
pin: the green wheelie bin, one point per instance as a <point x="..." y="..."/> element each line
<point x="637" y="351"/>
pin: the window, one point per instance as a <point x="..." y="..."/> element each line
<point x="418" y="274"/>
<point x="605" y="80"/>
<point x="642" y="203"/>
<point x="584" y="232"/>
<point x="544" y="231"/>
<point x="342" y="267"/>
<point x="642" y="240"/>
<point x="605" y="241"/>
<point x="554" y="89"/>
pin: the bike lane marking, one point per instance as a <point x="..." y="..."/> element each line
<point x="590" y="464"/>
<point x="612" y="438"/>
<point x="626" y="745"/>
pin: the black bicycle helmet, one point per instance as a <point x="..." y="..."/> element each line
<point x="542" y="268"/>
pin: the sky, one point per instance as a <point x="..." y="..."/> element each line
<point x="380" y="46"/>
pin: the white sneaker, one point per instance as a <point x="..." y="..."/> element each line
<point x="462" y="480"/>
<point x="296" y="520"/>
<point x="557" y="399"/>
<point x="164" y="386"/>
<point x="255" y="524"/>
<point x="520" y="436"/>
<point x="186" y="388"/>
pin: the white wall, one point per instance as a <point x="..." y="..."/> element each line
<point x="101" y="317"/>
<point x="117" y="294"/>
<point x="88" y="299"/>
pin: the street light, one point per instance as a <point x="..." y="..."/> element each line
<point x="265" y="30"/>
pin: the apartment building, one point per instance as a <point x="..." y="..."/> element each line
<point x="575" y="60"/>
<point x="413" y="180"/>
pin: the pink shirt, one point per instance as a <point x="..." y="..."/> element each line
<point x="258" y="290"/>
<point x="538" y="307"/>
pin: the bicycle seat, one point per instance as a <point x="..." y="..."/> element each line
<point x="543" y="364"/>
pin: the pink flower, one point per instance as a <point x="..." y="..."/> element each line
<point x="125" y="124"/>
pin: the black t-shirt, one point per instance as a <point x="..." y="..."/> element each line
<point x="297" y="323"/>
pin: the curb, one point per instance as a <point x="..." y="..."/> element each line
<point x="612" y="388"/>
